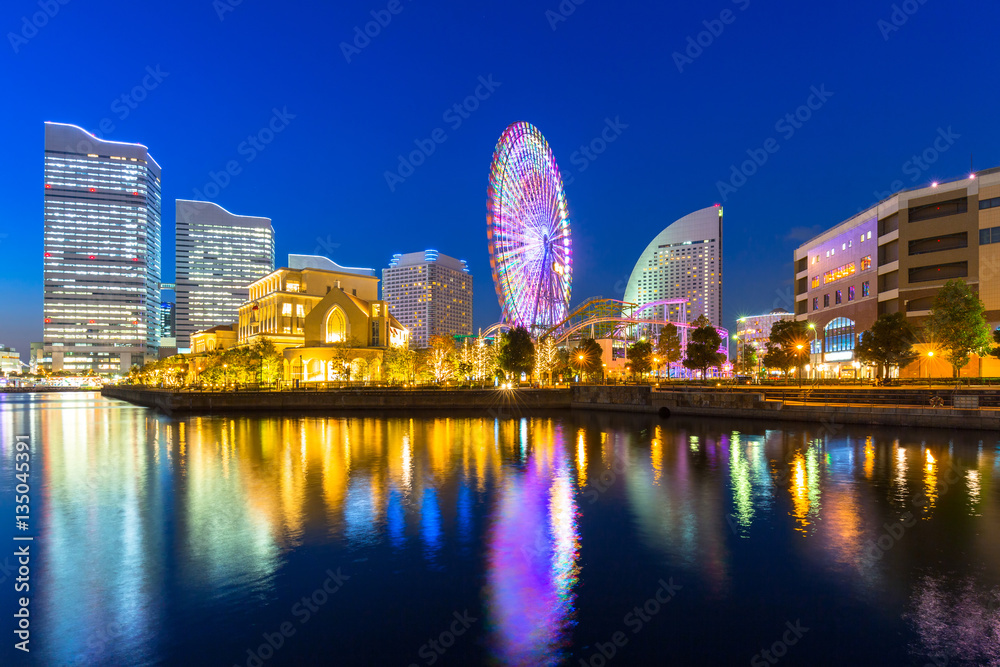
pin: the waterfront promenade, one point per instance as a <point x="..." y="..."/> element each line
<point x="967" y="408"/>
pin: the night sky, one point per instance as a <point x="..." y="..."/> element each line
<point x="891" y="79"/>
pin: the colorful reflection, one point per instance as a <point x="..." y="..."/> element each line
<point x="532" y="554"/>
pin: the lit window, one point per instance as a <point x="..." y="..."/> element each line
<point x="838" y="297"/>
<point x="300" y="310"/>
<point x="864" y="288"/>
<point x="286" y="309"/>
<point x="826" y="300"/>
<point x="850" y="293"/>
<point x="815" y="282"/>
<point x="843" y="246"/>
<point x="869" y="234"/>
<point x="862" y="237"/>
<point x="866" y="263"/>
<point x="815" y="303"/>
<point x="292" y="287"/>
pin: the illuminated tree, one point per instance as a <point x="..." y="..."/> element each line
<point x="399" y="364"/>
<point x="546" y="358"/>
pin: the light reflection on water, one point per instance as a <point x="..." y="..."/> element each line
<point x="157" y="529"/>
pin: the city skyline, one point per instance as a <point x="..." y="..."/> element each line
<point x="632" y="158"/>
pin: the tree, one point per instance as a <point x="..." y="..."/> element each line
<point x="788" y="345"/>
<point x="640" y="356"/>
<point x="399" y="364"/>
<point x="889" y="342"/>
<point x="668" y="347"/>
<point x="268" y="360"/>
<point x="343" y="354"/>
<point x="958" y="323"/>
<point x="441" y="364"/>
<point x="587" y="357"/>
<point x="517" y="352"/>
<point x="546" y="358"/>
<point x="996" y="339"/>
<point x="484" y="359"/>
<point x="703" y="347"/>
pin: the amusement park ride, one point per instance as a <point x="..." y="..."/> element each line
<point x="530" y="247"/>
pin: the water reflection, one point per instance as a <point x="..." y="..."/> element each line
<point x="146" y="515"/>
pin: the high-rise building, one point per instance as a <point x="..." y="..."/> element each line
<point x="430" y="294"/>
<point x="102" y="252"/>
<point x="219" y="254"/>
<point x="168" y="320"/>
<point x="683" y="264"/>
<point x="894" y="258"/>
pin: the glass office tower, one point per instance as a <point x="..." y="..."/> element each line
<point x="219" y="254"/>
<point x="101" y="266"/>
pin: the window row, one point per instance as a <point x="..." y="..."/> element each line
<point x="838" y="296"/>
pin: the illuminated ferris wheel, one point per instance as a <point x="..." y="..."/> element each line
<point x="528" y="231"/>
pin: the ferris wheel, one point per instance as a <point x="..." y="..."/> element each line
<point x="528" y="231"/>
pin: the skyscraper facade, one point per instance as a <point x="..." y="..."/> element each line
<point x="219" y="254"/>
<point x="101" y="265"/>
<point x="430" y="294"/>
<point x="683" y="263"/>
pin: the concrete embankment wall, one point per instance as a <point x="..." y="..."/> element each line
<point x="638" y="399"/>
<point x="753" y="405"/>
<point x="500" y="402"/>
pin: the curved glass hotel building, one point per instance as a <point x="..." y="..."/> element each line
<point x="101" y="270"/>
<point x="683" y="263"/>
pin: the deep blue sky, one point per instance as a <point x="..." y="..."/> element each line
<point x="322" y="178"/>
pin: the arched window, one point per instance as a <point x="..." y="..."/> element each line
<point x="336" y="326"/>
<point x="838" y="335"/>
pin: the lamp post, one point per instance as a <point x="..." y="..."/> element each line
<point x="740" y="361"/>
<point x="225" y="376"/>
<point x="799" y="370"/>
<point x="930" y="355"/>
<point x="812" y="327"/>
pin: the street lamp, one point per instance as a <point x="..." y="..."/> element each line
<point x="225" y="375"/>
